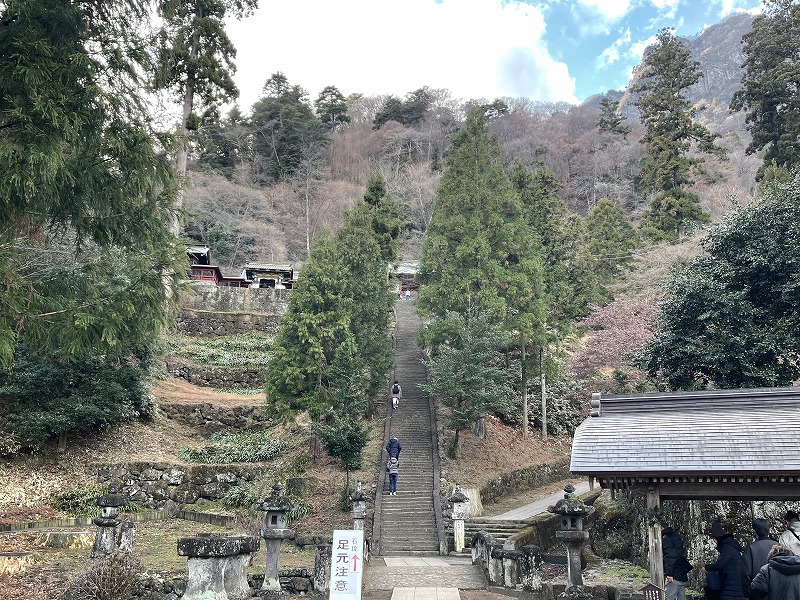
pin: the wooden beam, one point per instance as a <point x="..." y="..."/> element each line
<point x="656" y="553"/>
<point x="730" y="491"/>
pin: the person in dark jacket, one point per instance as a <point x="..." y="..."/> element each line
<point x="779" y="579"/>
<point x="676" y="567"/>
<point x="729" y="564"/>
<point x="393" y="447"/>
<point x="755" y="555"/>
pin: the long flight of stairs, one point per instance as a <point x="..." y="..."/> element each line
<point x="408" y="524"/>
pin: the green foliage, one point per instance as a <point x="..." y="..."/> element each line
<point x="467" y="373"/>
<point x="669" y="213"/>
<point x="409" y="112"/>
<point x="44" y="397"/>
<point x="300" y="509"/>
<point x="241" y="496"/>
<point x="240" y="350"/>
<point x="81" y="275"/>
<point x="195" y="54"/>
<point x="332" y="349"/>
<point x="610" y="120"/>
<point x="284" y="130"/>
<point x="344" y="437"/>
<point x="236" y="447"/>
<point x="479" y="252"/>
<point x="769" y="86"/>
<point x="729" y="318"/>
<point x="332" y="108"/>
<point x="610" y="240"/>
<point x="78" y="502"/>
<point x="668" y="117"/>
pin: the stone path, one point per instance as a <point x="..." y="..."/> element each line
<point x="426" y="576"/>
<point x="408" y="525"/>
<point x="539" y="506"/>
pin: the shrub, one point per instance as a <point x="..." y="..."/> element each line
<point x="236" y="446"/>
<point x="79" y="501"/>
<point x="113" y="577"/>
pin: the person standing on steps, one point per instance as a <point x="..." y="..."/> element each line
<point x="393" y="466"/>
<point x="393" y="447"/>
<point x="397" y="393"/>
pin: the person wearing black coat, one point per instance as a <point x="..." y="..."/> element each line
<point x="779" y="579"/>
<point x="676" y="567"/>
<point x="729" y="564"/>
<point x="755" y="555"/>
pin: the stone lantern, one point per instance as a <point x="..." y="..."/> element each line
<point x="105" y="541"/>
<point x="460" y="503"/>
<point x="276" y="507"/>
<point x="359" y="507"/>
<point x="571" y="532"/>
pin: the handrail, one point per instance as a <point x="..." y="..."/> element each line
<point x="437" y="493"/>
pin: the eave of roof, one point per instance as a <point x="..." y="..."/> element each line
<point x="698" y="433"/>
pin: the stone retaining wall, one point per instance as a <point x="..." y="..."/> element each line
<point x="203" y="296"/>
<point x="525" y="479"/>
<point x="213" y="418"/>
<point x="155" y="484"/>
<point x="216" y="377"/>
<point x="206" y="322"/>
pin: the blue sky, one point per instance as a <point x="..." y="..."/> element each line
<point x="560" y="50"/>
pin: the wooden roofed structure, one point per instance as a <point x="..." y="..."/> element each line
<point x="710" y="444"/>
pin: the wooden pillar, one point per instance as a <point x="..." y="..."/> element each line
<point x="656" y="553"/>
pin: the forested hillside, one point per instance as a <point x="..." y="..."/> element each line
<point x="535" y="213"/>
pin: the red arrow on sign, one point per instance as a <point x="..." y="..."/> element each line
<point x="355" y="562"/>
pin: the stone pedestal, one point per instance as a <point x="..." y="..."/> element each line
<point x="217" y="566"/>
<point x="573" y="540"/>
<point x="105" y="541"/>
<point x="359" y="507"/>
<point x="322" y="568"/>
<point x="458" y="513"/>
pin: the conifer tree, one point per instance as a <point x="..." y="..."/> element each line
<point x="479" y="252"/>
<point x="610" y="120"/>
<point x="338" y="314"/>
<point x="83" y="209"/>
<point x="671" y="130"/>
<point x="769" y="86"/>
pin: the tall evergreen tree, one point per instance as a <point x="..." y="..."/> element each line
<point x="285" y="130"/>
<point x="769" y="86"/>
<point x="610" y="120"/>
<point x="332" y="108"/>
<point x="479" y="251"/>
<point x="671" y="130"/>
<point x="86" y="191"/>
<point x="338" y="315"/>
<point x="611" y="240"/>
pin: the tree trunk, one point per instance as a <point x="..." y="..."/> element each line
<point x="62" y="442"/>
<point x="480" y="427"/>
<point x="524" y="378"/>
<point x="12" y="563"/>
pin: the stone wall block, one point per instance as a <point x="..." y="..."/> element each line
<point x="175" y="476"/>
<point x="185" y="493"/>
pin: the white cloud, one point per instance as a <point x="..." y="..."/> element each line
<point x="474" y="48"/>
<point x="728" y="7"/>
<point x="608" y="10"/>
<point x="613" y="53"/>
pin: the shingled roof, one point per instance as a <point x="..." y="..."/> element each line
<point x="747" y="436"/>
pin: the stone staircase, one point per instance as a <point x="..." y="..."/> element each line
<point x="500" y="530"/>
<point x="408" y="520"/>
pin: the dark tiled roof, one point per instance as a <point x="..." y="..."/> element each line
<point x="753" y="431"/>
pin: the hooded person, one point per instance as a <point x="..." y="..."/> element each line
<point x="676" y="567"/>
<point x="393" y="447"/>
<point x="779" y="579"/>
<point x="728" y="565"/>
<point x="755" y="555"/>
<point x="791" y="537"/>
